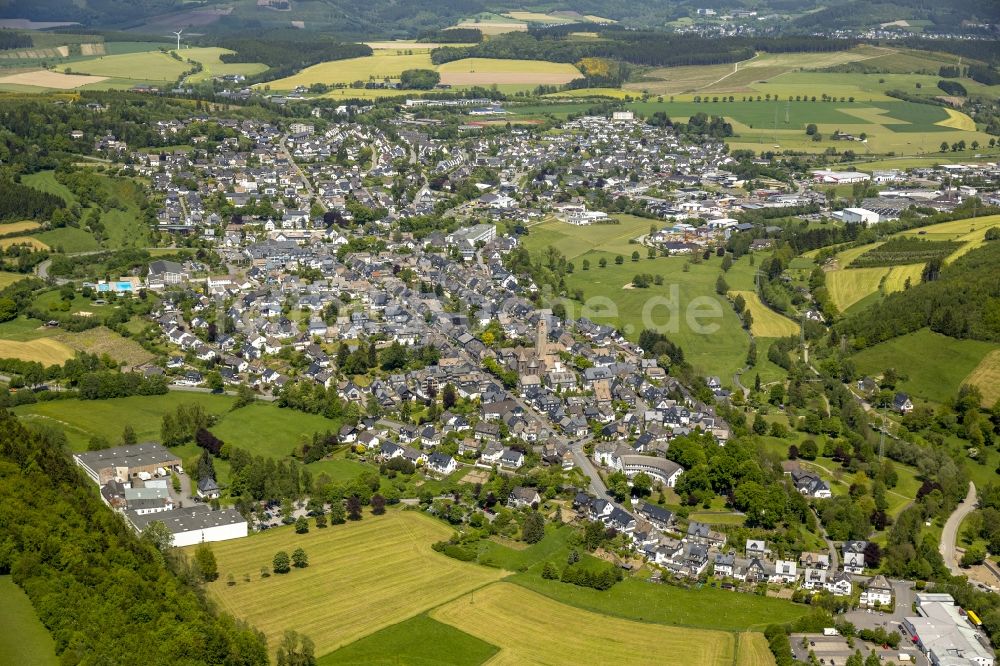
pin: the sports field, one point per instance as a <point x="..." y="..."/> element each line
<point x="933" y="366"/>
<point x="497" y="614"/>
<point x="24" y="639"/>
<point x="361" y="577"/>
<point x="986" y="376"/>
<point x="766" y="322"/>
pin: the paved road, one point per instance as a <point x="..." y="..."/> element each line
<point x="305" y="179"/>
<point x="949" y="535"/>
<point x="597" y="486"/>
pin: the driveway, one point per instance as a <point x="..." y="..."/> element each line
<point x="903" y="592"/>
<point x="949" y="535"/>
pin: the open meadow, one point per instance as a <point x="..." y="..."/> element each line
<point x="933" y="376"/>
<point x="262" y="428"/>
<point x="148" y="66"/>
<point x="24" y="639"/>
<point x="686" y="297"/>
<point x="213" y="66"/>
<point x="496" y="614"/>
<point x="362" y="576"/>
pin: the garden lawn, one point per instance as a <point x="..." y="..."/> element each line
<point x="934" y="365"/>
<point x="634" y="599"/>
<point x="419" y="640"/>
<point x="24" y="639"/>
<point x="362" y="577"/>
<point x="340" y="470"/>
<point x="530" y="628"/>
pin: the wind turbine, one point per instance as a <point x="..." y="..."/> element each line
<point x="178" y="33"/>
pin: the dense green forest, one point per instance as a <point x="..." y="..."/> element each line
<point x="20" y="202"/>
<point x="106" y="595"/>
<point x="14" y="40"/>
<point x="961" y="300"/>
<point x="90" y="11"/>
<point x="287" y="53"/>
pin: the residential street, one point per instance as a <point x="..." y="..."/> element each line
<point x="949" y="535"/>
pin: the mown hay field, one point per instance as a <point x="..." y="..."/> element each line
<point x="361" y="577"/>
<point x="753" y="650"/>
<point x="45" y="351"/>
<point x="532" y="629"/>
<point x="848" y="286"/>
<point x="766" y="322"/>
<point x="487" y="71"/>
<point x="46" y="79"/>
<point x="148" y="66"/>
<point x="898" y="275"/>
<point x="986" y="376"/>
<point x="18" y="227"/>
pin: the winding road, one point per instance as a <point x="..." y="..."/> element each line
<point x="949" y="535"/>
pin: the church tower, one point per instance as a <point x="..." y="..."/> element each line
<point x="541" y="343"/>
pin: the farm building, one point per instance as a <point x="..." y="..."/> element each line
<point x="126" y="462"/>
<point x="194" y="524"/>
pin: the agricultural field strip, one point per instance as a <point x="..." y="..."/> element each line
<point x="359" y="566"/>
<point x="496" y="614"/>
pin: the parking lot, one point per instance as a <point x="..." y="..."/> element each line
<point x="903" y="595"/>
<point x="834" y="650"/>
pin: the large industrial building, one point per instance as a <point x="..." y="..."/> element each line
<point x="122" y="463"/>
<point x="193" y="525"/>
<point x="947" y="634"/>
